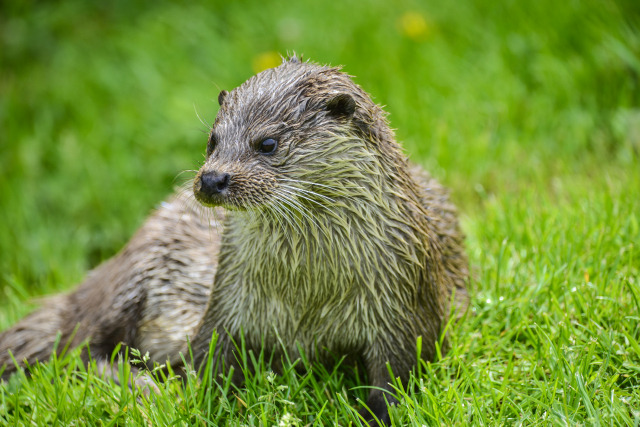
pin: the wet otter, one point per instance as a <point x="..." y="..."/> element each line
<point x="331" y="242"/>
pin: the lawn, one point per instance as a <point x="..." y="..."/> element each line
<point x="528" y="111"/>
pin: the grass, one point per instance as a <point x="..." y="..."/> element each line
<point x="530" y="113"/>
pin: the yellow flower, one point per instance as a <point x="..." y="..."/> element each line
<point x="266" y="60"/>
<point x="414" y="26"/>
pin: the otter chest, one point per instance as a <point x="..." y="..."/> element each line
<point x="306" y="292"/>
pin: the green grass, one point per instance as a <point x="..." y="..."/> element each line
<point x="528" y="111"/>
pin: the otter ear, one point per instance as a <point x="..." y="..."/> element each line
<point x="221" y="96"/>
<point x="342" y="104"/>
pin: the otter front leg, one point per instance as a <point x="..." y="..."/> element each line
<point x="224" y="357"/>
<point x="227" y="358"/>
<point x="377" y="407"/>
<point x="382" y="394"/>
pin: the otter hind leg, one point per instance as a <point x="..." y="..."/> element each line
<point x="33" y="338"/>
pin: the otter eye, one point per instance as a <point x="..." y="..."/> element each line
<point x="267" y="146"/>
<point x="211" y="144"/>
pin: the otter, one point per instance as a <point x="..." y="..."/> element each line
<point x="328" y="241"/>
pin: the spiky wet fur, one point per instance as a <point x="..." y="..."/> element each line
<point x="333" y="243"/>
<point x="338" y="245"/>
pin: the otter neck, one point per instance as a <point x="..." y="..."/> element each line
<point x="312" y="254"/>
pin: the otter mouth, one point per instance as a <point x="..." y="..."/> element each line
<point x="219" y="203"/>
<point x="208" y="201"/>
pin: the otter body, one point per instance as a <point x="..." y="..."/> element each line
<point x="149" y="296"/>
<point x="331" y="242"/>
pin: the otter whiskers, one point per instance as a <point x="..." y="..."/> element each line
<point x="337" y="192"/>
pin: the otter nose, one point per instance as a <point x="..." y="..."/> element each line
<point x="214" y="182"/>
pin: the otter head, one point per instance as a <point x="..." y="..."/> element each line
<point x="289" y="135"/>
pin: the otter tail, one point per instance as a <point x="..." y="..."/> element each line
<point x="32" y="338"/>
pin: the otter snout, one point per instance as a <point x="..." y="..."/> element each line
<point x="210" y="187"/>
<point x="214" y="182"/>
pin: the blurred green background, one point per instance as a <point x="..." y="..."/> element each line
<point x="528" y="111"/>
<point x="99" y="106"/>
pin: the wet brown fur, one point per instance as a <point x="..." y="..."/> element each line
<point x="332" y="244"/>
<point x="149" y="296"/>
